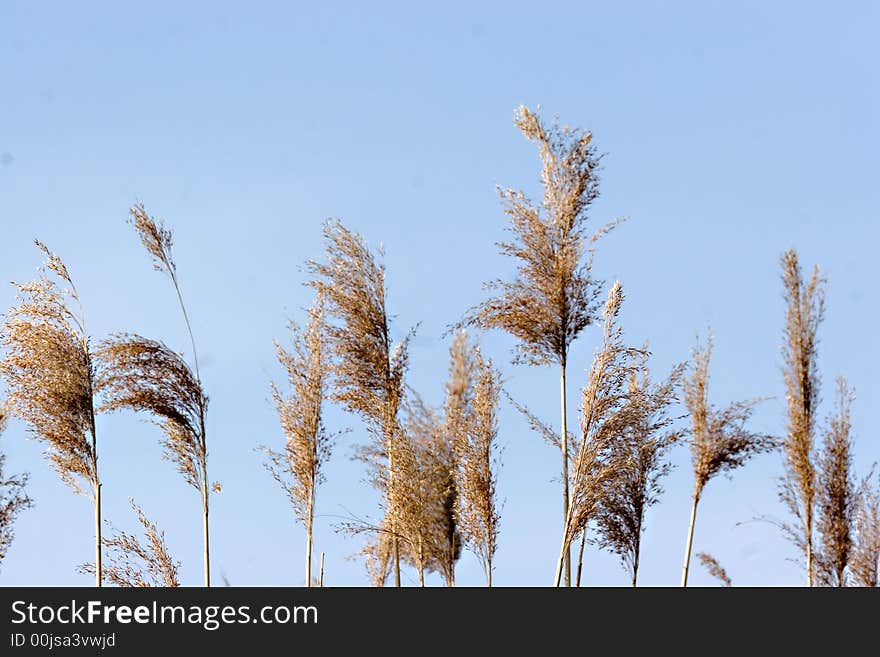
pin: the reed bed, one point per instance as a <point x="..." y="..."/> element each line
<point x="436" y="468"/>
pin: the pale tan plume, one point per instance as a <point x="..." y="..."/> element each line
<point x="48" y="367"/>
<point x="553" y="296"/>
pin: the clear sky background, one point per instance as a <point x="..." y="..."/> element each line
<point x="732" y="131"/>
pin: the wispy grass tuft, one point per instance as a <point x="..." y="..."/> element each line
<point x="136" y="563"/>
<point x="49" y="369"/>
<point x="805" y="309"/>
<point x="714" y="568"/>
<point x="298" y="468"/>
<point x="368" y="367"/>
<point x="719" y="440"/>
<point x="553" y="297"/>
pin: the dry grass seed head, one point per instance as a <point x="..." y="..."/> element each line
<point x="835" y="498"/>
<point x="157" y="239"/>
<point x="368" y="369"/>
<point x="805" y="309"/>
<point x="865" y="558"/>
<point x="640" y="466"/>
<point x="144" y="375"/>
<point x="604" y="417"/>
<point x="48" y="369"/>
<point x="425" y="490"/>
<point x="458" y="404"/>
<point x="136" y="563"/>
<point x="553" y="297"/>
<point x="477" y="465"/>
<point x="298" y="467"/>
<point x="719" y="440"/>
<point x="714" y="568"/>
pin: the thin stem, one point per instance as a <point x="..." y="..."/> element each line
<point x="635" y="572"/>
<point x="309" y="519"/>
<point x="690" y="538"/>
<point x="581" y="558"/>
<point x="565" y="480"/>
<point x="99" y="573"/>
<point x="204" y="454"/>
<point x="809" y="557"/>
<point x="98" y="569"/>
<point x="450" y="582"/>
<point x="206" y="533"/>
<point x="395" y="548"/>
<point x="558" y="578"/>
<point x="192" y="339"/>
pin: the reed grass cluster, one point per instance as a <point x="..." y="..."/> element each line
<point x="437" y="468"/>
<point x="368" y="367"/>
<point x="640" y="463"/>
<point x="604" y="417"/>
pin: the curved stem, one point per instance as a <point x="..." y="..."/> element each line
<point x="192" y="339"/>
<point x="205" y="492"/>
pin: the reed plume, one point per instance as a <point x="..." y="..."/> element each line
<point x="604" y="416"/>
<point x="476" y="465"/>
<point x="714" y="568"/>
<point x="425" y="492"/>
<point x="49" y="370"/>
<point x="421" y="520"/>
<point x="377" y="556"/>
<point x="435" y="449"/>
<point x="368" y="369"/>
<point x="458" y="409"/>
<point x="134" y="563"/>
<point x="719" y="440"/>
<point x="158" y="240"/>
<point x="835" y="494"/>
<point x="553" y="296"/>
<point x="865" y="558"/>
<point x="146" y="376"/>
<point x="298" y="469"/>
<point x="13" y="497"/>
<point x="640" y="458"/>
<point x="805" y="308"/>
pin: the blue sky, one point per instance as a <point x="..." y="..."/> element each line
<point x="732" y="131"/>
